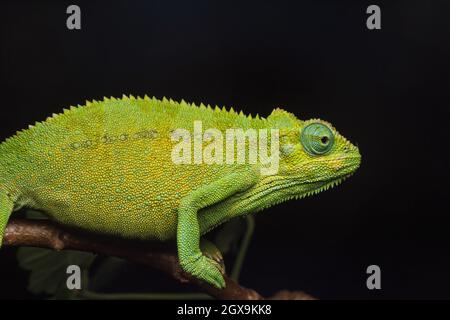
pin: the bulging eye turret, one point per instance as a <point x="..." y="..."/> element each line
<point x="317" y="139"/>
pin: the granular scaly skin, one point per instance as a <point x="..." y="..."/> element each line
<point x="106" y="167"/>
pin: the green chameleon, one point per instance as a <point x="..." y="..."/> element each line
<point x="107" y="167"/>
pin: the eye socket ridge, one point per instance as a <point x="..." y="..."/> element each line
<point x="317" y="139"/>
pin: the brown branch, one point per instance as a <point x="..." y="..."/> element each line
<point x="46" y="234"/>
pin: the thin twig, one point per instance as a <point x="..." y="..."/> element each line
<point x="47" y="234"/>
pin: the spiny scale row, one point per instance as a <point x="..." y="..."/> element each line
<point x="94" y="102"/>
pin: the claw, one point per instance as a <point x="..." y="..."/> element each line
<point x="211" y="251"/>
<point x="205" y="269"/>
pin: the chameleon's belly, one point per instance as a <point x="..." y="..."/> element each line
<point x="118" y="217"/>
<point x="118" y="204"/>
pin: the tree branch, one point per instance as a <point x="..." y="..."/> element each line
<point x="47" y="234"/>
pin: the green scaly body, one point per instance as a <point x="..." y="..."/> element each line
<point x="107" y="168"/>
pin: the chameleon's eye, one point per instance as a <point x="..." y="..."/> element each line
<point x="317" y="139"/>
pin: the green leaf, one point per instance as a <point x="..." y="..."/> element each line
<point x="106" y="271"/>
<point x="48" y="267"/>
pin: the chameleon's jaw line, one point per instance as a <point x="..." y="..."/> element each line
<point x="249" y="200"/>
<point x="293" y="190"/>
<point x="350" y="170"/>
<point x="328" y="185"/>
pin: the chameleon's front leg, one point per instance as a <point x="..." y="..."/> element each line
<point x="188" y="230"/>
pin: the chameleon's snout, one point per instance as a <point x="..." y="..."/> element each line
<point x="345" y="160"/>
<point x="352" y="158"/>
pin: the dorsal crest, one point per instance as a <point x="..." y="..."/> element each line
<point x="281" y="118"/>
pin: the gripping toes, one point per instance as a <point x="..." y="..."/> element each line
<point x="205" y="269"/>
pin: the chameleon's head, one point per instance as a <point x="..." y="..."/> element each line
<point x="313" y="155"/>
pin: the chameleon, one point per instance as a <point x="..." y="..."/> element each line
<point x="107" y="167"/>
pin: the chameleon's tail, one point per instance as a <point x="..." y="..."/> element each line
<point x="6" y="208"/>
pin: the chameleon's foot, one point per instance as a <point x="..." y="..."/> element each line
<point x="210" y="250"/>
<point x="204" y="269"/>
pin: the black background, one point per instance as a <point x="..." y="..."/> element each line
<point x="386" y="90"/>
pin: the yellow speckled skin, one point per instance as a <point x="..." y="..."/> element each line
<point x="106" y="167"/>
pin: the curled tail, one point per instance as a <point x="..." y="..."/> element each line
<point x="6" y="208"/>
